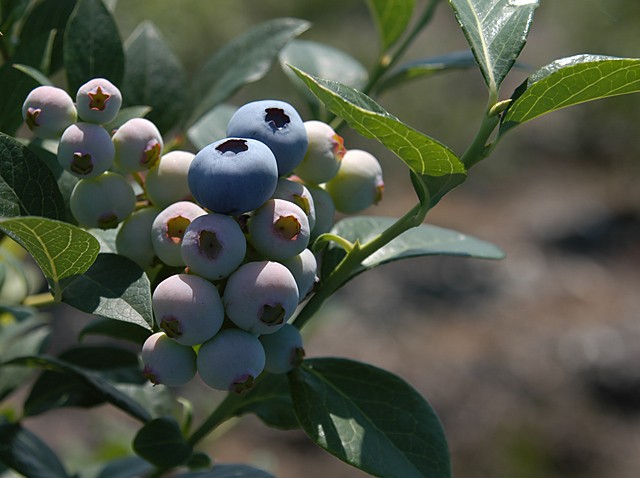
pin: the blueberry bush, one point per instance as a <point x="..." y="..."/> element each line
<point x="203" y="236"/>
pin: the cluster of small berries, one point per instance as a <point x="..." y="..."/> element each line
<point x="237" y="219"/>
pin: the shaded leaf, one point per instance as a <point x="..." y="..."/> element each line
<point x="438" y="166"/>
<point x="27" y="185"/>
<point x="243" y="60"/>
<point x="92" y="46"/>
<point x="115" y="329"/>
<point x="27" y="454"/>
<point x="125" y="114"/>
<point x="60" y="249"/>
<point x="212" y="126"/>
<point x="34" y="73"/>
<point x="128" y="467"/>
<point x="154" y="76"/>
<point x="424" y="240"/>
<point x="496" y="31"/>
<point x="158" y="400"/>
<point x="369" y="418"/>
<point x="223" y="470"/>
<point x="392" y="18"/>
<point x="161" y="442"/>
<point x="113" y="287"/>
<point x="89" y="378"/>
<point x="426" y="67"/>
<point x="571" y="81"/>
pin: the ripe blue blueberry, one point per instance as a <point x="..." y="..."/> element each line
<point x="98" y="101"/>
<point x="86" y="150"/>
<point x="102" y="202"/>
<point x="48" y="111"/>
<point x="166" y="182"/>
<point x="298" y="194"/>
<point x="213" y="246"/>
<point x="233" y="175"/>
<point x="167" y="362"/>
<point x="324" y="153"/>
<point x="260" y="296"/>
<point x="279" y="229"/>
<point x="188" y="308"/>
<point x="304" y="268"/>
<point x="133" y="239"/>
<point x="283" y="349"/>
<point x="138" y="145"/>
<point x="231" y="360"/>
<point x="278" y="125"/>
<point x="169" y="227"/>
<point x="358" y="183"/>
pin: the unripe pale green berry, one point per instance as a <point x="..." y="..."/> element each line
<point x="48" y="111"/>
<point x="213" y="246"/>
<point x="134" y="237"/>
<point x="167" y="362"/>
<point x="102" y="202"/>
<point x="166" y="182"/>
<point x="260" y="296"/>
<point x="169" y="227"/>
<point x="98" y="101"/>
<point x="283" y="349"/>
<point x="304" y="268"/>
<point x="324" y="153"/>
<point x="138" y="145"/>
<point x="86" y="150"/>
<point x="231" y="360"/>
<point x="358" y="183"/>
<point x="188" y="308"/>
<point x="298" y="194"/>
<point x="325" y="210"/>
<point x="279" y="229"/>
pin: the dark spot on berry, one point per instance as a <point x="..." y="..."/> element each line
<point x="81" y="164"/>
<point x="108" y="220"/>
<point x="171" y="326"/>
<point x="209" y="245"/>
<point x="241" y="384"/>
<point x="176" y="227"/>
<point x="287" y="227"/>
<point x="297" y="356"/>
<point x="234" y="146"/>
<point x="276" y="118"/>
<point x="272" y="315"/>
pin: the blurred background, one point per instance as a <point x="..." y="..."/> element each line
<point x="533" y="362"/>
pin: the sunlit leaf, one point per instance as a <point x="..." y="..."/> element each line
<point x="392" y="18"/>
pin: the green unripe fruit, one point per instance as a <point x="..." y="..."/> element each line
<point x="283" y="349"/>
<point x="98" y="101"/>
<point x="324" y="153"/>
<point x="304" y="268"/>
<point x="358" y="183"/>
<point x="48" y="111"/>
<point x="138" y="145"/>
<point x="188" y="308"/>
<point x="102" y="202"/>
<point x="298" y="194"/>
<point x="166" y="182"/>
<point x="324" y="208"/>
<point x="231" y="360"/>
<point x="85" y="150"/>
<point x="134" y="237"/>
<point x="167" y="362"/>
<point x="168" y="229"/>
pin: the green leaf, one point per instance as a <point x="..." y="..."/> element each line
<point x="424" y="240"/>
<point x="154" y="76"/>
<point x="243" y="60"/>
<point x="392" y="18"/>
<point x="212" y="126"/>
<point x="496" y="31"/>
<point x="370" y="419"/>
<point x="34" y="73"/>
<point x="425" y="67"/>
<point x="438" y="166"/>
<point x="27" y="454"/>
<point x="571" y="81"/>
<point x="115" y="329"/>
<point x="27" y="185"/>
<point x="48" y="16"/>
<point x="224" y="470"/>
<point x="15" y="86"/>
<point x="92" y="45"/>
<point x="61" y="250"/>
<point x="157" y="400"/>
<point x="113" y="287"/>
<point x="161" y="442"/>
<point x="322" y="61"/>
<point x="128" y="467"/>
<point x="91" y="379"/>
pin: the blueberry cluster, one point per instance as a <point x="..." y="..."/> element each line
<point x="236" y="220"/>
